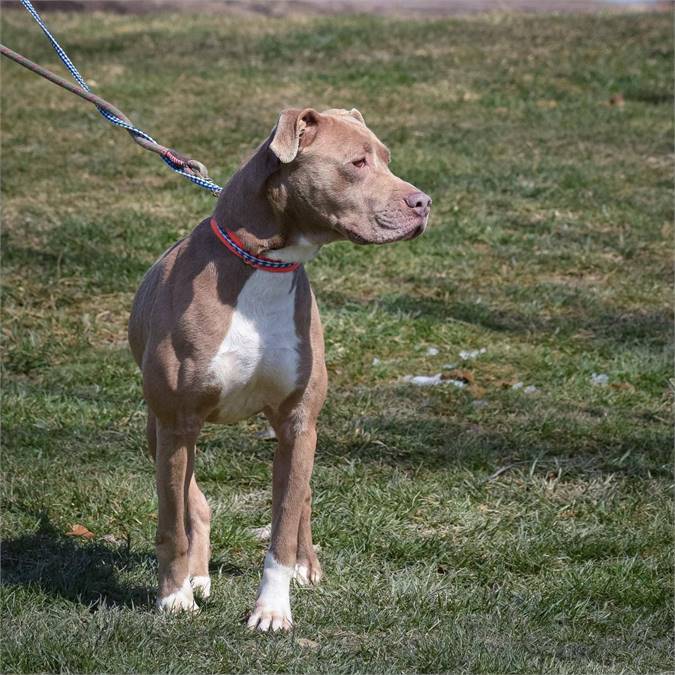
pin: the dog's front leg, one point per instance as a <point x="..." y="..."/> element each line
<point x="174" y="471"/>
<point x="293" y="462"/>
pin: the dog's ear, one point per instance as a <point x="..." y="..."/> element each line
<point x="357" y="115"/>
<point x="295" y="129"/>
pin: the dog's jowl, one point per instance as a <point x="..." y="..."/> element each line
<point x="225" y="326"/>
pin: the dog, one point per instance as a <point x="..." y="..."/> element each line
<point x="225" y="326"/>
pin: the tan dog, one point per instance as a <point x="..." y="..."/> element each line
<point x="225" y="326"/>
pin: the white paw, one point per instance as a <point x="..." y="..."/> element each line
<point x="273" y="606"/>
<point x="201" y="586"/>
<point x="263" y="618"/>
<point x="304" y="577"/>
<point x="181" y="600"/>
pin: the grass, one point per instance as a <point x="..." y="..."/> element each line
<point x="481" y="529"/>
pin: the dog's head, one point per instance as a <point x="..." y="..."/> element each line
<point x="334" y="181"/>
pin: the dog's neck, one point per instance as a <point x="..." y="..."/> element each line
<point x="243" y="208"/>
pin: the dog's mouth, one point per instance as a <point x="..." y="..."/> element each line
<point x="389" y="234"/>
<point x="401" y="229"/>
<point x="416" y="231"/>
<point x="356" y="238"/>
<point x="384" y="228"/>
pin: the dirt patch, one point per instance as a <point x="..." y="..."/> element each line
<point x="280" y="8"/>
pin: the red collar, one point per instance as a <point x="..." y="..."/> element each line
<point x="234" y="245"/>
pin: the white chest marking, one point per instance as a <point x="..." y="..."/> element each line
<point x="256" y="365"/>
<point x="302" y="250"/>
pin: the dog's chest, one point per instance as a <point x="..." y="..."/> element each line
<point x="256" y="365"/>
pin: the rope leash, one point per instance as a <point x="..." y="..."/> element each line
<point x="189" y="168"/>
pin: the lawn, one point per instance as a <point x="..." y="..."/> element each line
<point x="490" y="528"/>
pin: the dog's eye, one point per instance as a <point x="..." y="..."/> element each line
<point x="360" y="163"/>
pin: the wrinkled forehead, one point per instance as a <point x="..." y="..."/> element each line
<point x="347" y="136"/>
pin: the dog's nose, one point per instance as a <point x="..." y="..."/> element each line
<point x="419" y="203"/>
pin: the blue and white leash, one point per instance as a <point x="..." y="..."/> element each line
<point x="174" y="163"/>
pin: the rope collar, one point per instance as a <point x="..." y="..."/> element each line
<point x="234" y="245"/>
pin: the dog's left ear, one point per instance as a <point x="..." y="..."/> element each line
<point x="295" y="129"/>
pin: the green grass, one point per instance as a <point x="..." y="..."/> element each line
<point x="482" y="529"/>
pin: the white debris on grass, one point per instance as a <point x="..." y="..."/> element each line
<point x="600" y="379"/>
<point x="432" y="351"/>
<point x="449" y="366"/>
<point x="376" y="361"/>
<point x="471" y="353"/>
<point x="423" y="380"/>
<point x="431" y="380"/>
<point x="530" y="389"/>
<point x="262" y="533"/>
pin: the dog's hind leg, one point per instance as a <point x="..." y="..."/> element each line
<point x="174" y="464"/>
<point x="307" y="567"/>
<point x="151" y="433"/>
<point x="199" y="528"/>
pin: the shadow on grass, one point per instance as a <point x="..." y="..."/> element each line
<point x="82" y="572"/>
<point x="62" y="566"/>
<point x="488" y="453"/>
<point x="584" y="446"/>
<point x="545" y="435"/>
<point x="604" y="324"/>
<point x="106" y="269"/>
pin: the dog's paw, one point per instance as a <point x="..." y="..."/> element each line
<point x="307" y="572"/>
<point x="273" y="606"/>
<point x="181" y="600"/>
<point x="265" y="617"/>
<point x="201" y="587"/>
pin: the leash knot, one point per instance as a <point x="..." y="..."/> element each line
<point x="188" y="168"/>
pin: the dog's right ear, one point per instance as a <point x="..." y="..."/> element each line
<point x="295" y="129"/>
<point x="357" y="116"/>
